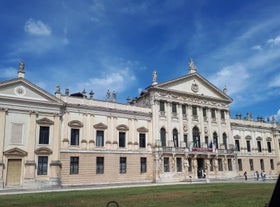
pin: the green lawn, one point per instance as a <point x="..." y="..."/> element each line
<point x="202" y="195"/>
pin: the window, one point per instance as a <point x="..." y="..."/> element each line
<point x="248" y="146"/>
<point x="262" y="164"/>
<point x="175" y="137"/>
<point x="190" y="164"/>
<point x="99" y="138"/>
<point x="237" y="145"/>
<point x="251" y="163"/>
<point x="204" y="111"/>
<point x="184" y="110"/>
<point x="174" y="107"/>
<point x="220" y="164"/>
<point x="215" y="140"/>
<point x="269" y="147"/>
<point x="225" y="140"/>
<point x="121" y="139"/>
<point x="74" y="165"/>
<point x="163" y="137"/>
<point x="194" y="110"/>
<point x="99" y="165"/>
<point x="75" y="133"/>
<point x="179" y="164"/>
<point x="42" y="165"/>
<point x="206" y="140"/>
<point x="122" y="164"/>
<point x="143" y="164"/>
<point x="213" y="113"/>
<point x="259" y="146"/>
<point x="271" y="164"/>
<point x="222" y="114"/>
<point x="239" y="161"/>
<point x="166" y="164"/>
<point x="44" y="135"/>
<point x="186" y="139"/>
<point x="142" y="140"/>
<point x="161" y="106"/>
<point x="229" y="165"/>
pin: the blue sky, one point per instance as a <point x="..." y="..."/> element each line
<point x="117" y="44"/>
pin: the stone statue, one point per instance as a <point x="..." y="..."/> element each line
<point x="108" y="94"/>
<point x="114" y="96"/>
<point x="192" y="68"/>
<point x="21" y="66"/>
<point x="154" y="78"/>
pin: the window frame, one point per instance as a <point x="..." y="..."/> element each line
<point x="123" y="165"/>
<point x="74" y="165"/>
<point x="99" y="141"/>
<point x="122" y="139"/>
<point x="42" y="168"/>
<point x="44" y="136"/>
<point x="143" y="164"/>
<point x="99" y="165"/>
<point x="75" y="141"/>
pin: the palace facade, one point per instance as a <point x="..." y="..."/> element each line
<point x="174" y="131"/>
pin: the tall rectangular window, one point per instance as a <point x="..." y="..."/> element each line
<point x="204" y="111"/>
<point x="166" y="164"/>
<point x="271" y="164"/>
<point x="239" y="161"/>
<point x="99" y="138"/>
<point x="174" y="107"/>
<point x="42" y="168"/>
<point x="190" y="164"/>
<point x="259" y="146"/>
<point x="222" y="114"/>
<point x="251" y="163"/>
<point x="229" y="165"/>
<point x="74" y="165"/>
<point x="262" y="164"/>
<point x="194" y="110"/>
<point x="237" y="145"/>
<point x="206" y="140"/>
<point x="179" y="164"/>
<point x="121" y="139"/>
<point x="143" y="164"/>
<point x="99" y="165"/>
<point x="186" y="139"/>
<point x="161" y="106"/>
<point x="213" y="113"/>
<point x="248" y="146"/>
<point x="142" y="140"/>
<point x="269" y="147"/>
<point x="122" y="164"/>
<point x="44" y="135"/>
<point x="184" y="110"/>
<point x="75" y="134"/>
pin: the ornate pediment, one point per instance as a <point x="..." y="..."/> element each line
<point x="236" y="137"/>
<point x="75" y="124"/>
<point x="122" y="127"/>
<point x="248" y="137"/>
<point x="100" y="126"/>
<point x="269" y="139"/>
<point x="142" y="129"/>
<point x="45" y="121"/>
<point x="259" y="138"/>
<point x="43" y="151"/>
<point x="15" y="152"/>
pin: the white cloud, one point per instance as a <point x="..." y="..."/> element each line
<point x="257" y="47"/>
<point x="275" y="41"/>
<point x="8" y="73"/>
<point x="275" y="82"/>
<point x="39" y="28"/>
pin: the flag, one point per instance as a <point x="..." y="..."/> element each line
<point x="210" y="145"/>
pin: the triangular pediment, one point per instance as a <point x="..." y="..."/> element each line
<point x="15" y="152"/>
<point x="20" y="89"/>
<point x="195" y="85"/>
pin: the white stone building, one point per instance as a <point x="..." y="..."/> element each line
<point x="175" y="131"/>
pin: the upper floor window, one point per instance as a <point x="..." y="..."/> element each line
<point x="121" y="139"/>
<point x="161" y="106"/>
<point x="215" y="140"/>
<point x="213" y="113"/>
<point x="42" y="168"/>
<point x="44" y="135"/>
<point x="75" y="136"/>
<point x="99" y="138"/>
<point x="163" y="137"/>
<point x="174" y="107"/>
<point x="269" y="147"/>
<point x="248" y="145"/>
<point x="237" y="145"/>
<point x="259" y="146"/>
<point x="222" y="114"/>
<point x="194" y="110"/>
<point x="225" y="140"/>
<point x="142" y="140"/>
<point x="204" y="111"/>
<point x="184" y="110"/>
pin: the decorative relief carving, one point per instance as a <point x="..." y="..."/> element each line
<point x="75" y="123"/>
<point x="45" y="121"/>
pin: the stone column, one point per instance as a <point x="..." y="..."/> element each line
<point x="2" y="141"/>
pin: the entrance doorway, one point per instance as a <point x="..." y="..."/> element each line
<point x="200" y="168"/>
<point x="13" y="172"/>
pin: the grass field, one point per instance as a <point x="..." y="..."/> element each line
<point x="202" y="195"/>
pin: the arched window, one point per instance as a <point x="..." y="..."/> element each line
<point x="225" y="140"/>
<point x="175" y="137"/>
<point x="196" y="137"/>
<point x="163" y="137"/>
<point x="215" y="140"/>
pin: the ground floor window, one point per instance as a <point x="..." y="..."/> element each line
<point x="74" y="165"/>
<point x="99" y="165"/>
<point x="122" y="164"/>
<point x="220" y="164"/>
<point x="179" y="164"/>
<point x="271" y="164"/>
<point x="251" y="163"/>
<point x="166" y="164"/>
<point x="262" y="164"/>
<point x="42" y="168"/>
<point x="239" y="161"/>
<point x="190" y="164"/>
<point x="143" y="164"/>
<point x="229" y="165"/>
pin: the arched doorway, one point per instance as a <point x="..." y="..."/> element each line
<point x="196" y="137"/>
